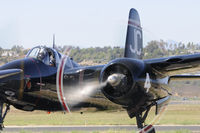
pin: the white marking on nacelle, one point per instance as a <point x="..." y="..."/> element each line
<point x="147" y="83"/>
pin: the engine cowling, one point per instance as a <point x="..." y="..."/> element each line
<point x="121" y="76"/>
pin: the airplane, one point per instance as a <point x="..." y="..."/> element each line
<point x="48" y="80"/>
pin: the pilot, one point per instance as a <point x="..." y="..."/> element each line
<point x="43" y="55"/>
<point x="52" y="61"/>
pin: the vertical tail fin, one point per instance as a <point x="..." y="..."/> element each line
<point x="134" y="41"/>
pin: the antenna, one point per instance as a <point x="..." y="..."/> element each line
<point x="54" y="45"/>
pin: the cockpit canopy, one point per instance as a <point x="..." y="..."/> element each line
<point x="47" y="55"/>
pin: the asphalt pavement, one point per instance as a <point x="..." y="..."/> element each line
<point x="96" y="128"/>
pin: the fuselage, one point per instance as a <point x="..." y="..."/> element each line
<point x="37" y="86"/>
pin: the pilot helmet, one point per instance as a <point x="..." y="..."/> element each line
<point x="42" y="54"/>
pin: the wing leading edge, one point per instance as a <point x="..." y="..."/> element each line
<point x="10" y="74"/>
<point x="171" y="66"/>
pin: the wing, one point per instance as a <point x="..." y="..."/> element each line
<point x="80" y="78"/>
<point x="9" y="74"/>
<point x="184" y="77"/>
<point x="175" y="65"/>
<point x="85" y="71"/>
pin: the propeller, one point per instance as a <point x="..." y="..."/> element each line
<point x="72" y="90"/>
<point x="59" y="79"/>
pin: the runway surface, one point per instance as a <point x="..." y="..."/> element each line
<point x="95" y="128"/>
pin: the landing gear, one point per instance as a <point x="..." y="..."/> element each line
<point x="140" y="119"/>
<point x="3" y="114"/>
<point x="140" y="123"/>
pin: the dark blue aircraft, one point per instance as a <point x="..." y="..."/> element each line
<point x="47" y="80"/>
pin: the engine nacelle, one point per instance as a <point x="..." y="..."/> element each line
<point x="121" y="76"/>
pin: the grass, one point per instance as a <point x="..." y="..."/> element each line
<point x="174" y="115"/>
<point x="87" y="118"/>
<point x="179" y="115"/>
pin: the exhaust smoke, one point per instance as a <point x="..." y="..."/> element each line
<point x="80" y="93"/>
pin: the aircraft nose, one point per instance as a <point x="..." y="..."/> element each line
<point x="115" y="79"/>
<point x="11" y="81"/>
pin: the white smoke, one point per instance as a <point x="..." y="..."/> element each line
<point x="81" y="92"/>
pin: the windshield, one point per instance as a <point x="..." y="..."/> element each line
<point x="34" y="53"/>
<point x="40" y="54"/>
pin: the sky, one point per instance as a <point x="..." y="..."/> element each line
<point x="87" y="23"/>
